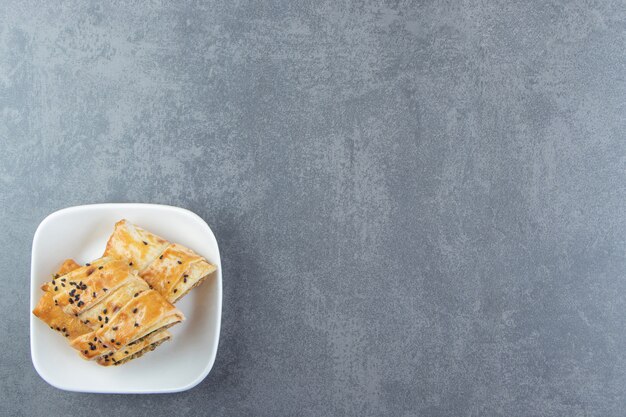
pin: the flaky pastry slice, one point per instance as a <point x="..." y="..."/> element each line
<point x="135" y="349"/>
<point x="171" y="269"/>
<point x="145" y="314"/>
<point x="176" y="271"/>
<point x="88" y="298"/>
<point x="134" y="244"/>
<point x="53" y="315"/>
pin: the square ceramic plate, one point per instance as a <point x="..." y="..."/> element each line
<point x="177" y="365"/>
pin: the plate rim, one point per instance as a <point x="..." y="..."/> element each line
<point x="213" y="353"/>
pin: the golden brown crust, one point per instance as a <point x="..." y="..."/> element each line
<point x="135" y="350"/>
<point x="99" y="314"/>
<point x="53" y="315"/>
<point x="90" y="284"/>
<point x="202" y="276"/>
<point x="197" y="273"/>
<point x="176" y="271"/>
<point x="134" y="244"/>
<point x="145" y="313"/>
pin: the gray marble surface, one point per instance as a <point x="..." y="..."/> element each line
<point x="420" y="205"/>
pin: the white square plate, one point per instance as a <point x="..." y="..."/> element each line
<point x="177" y="365"/>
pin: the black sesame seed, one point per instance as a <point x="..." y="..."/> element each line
<point x="175" y="290"/>
<point x="63" y="279"/>
<point x="56" y="303"/>
<point x="134" y="310"/>
<point x="100" y="267"/>
<point x="73" y="292"/>
<point x="56" y="288"/>
<point x="64" y="330"/>
<point x="106" y="319"/>
<point x="86" y="321"/>
<point x="112" y="340"/>
<point x="94" y="294"/>
<point x="63" y="285"/>
<point x="130" y="264"/>
<point x="136" y="294"/>
<point x="136" y="324"/>
<point x="104" y="346"/>
<point x="104" y="311"/>
<point x="54" y="283"/>
<point x="184" y="279"/>
<point x="92" y="347"/>
<point x="88" y="264"/>
<point x="70" y="301"/>
<point x="56" y="275"/>
<point x="58" y="330"/>
<point x="145" y="243"/>
<point x="101" y="326"/>
<point x="80" y="304"/>
<point x="99" y="318"/>
<point x="118" y="343"/>
<point x="86" y="352"/>
<point x="95" y="339"/>
<point x="180" y="262"/>
<point x="126" y="352"/>
<point x="114" y="328"/>
<point x="161" y="257"/>
<point x="105" y="289"/>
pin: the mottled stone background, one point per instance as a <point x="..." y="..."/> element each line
<point x="420" y="205"/>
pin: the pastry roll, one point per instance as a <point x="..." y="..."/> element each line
<point x="176" y="271"/>
<point x="135" y="349"/>
<point x="143" y="315"/>
<point x="98" y="292"/>
<point x="53" y="315"/>
<point x="139" y="247"/>
<point x="171" y="269"/>
<point x="89" y="285"/>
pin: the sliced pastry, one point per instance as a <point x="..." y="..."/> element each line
<point x="135" y="349"/>
<point x="52" y="314"/>
<point x="134" y="244"/>
<point x="143" y="315"/>
<point x="104" y="292"/>
<point x="176" y="271"/>
<point x="171" y="269"/>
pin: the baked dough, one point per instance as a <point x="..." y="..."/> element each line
<point x="176" y="271"/>
<point x="135" y="350"/>
<point x="171" y="269"/>
<point x="143" y="315"/>
<point x="99" y="292"/>
<point x="53" y="315"/>
<point x="135" y="245"/>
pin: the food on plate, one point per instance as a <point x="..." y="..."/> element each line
<point x="169" y="268"/>
<point x="119" y="307"/>
<point x="52" y="314"/>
